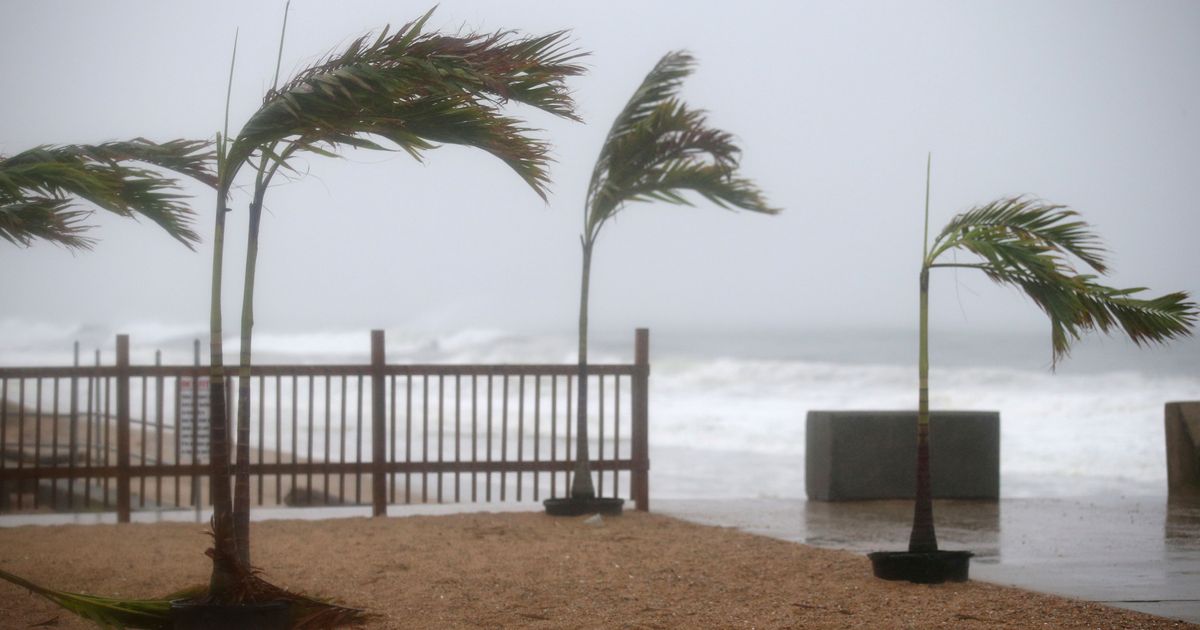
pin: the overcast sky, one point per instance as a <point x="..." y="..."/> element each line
<point x="836" y="104"/>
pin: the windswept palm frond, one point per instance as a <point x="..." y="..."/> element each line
<point x="415" y="90"/>
<point x="658" y="148"/>
<point x="106" y="175"/>
<point x="106" y="611"/>
<point x="42" y="218"/>
<point x="1027" y="243"/>
<point x="1025" y="223"/>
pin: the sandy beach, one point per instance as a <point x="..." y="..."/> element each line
<point x="530" y="570"/>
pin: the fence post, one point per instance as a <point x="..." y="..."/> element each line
<point x="378" y="427"/>
<point x="641" y="406"/>
<point x="123" y="501"/>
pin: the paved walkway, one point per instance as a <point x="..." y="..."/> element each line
<point x="1139" y="553"/>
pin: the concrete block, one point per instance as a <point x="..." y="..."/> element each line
<point x="862" y="455"/>
<point x="1182" y="428"/>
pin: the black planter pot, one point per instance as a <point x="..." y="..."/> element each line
<point x="190" y="615"/>
<point x="578" y="507"/>
<point x="932" y="567"/>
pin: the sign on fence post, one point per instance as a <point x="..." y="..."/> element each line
<point x="194" y="411"/>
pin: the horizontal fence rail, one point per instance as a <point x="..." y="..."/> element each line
<point x="135" y="437"/>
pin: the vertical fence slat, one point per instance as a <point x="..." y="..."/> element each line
<point x="392" y="433"/>
<point x="441" y="422"/>
<point x="342" y="447"/>
<point x="328" y="423"/>
<point x="520" y="428"/>
<point x="308" y="476"/>
<point x="600" y="437"/>
<point x="616" y="454"/>
<point x="425" y="436"/>
<point x="567" y="450"/>
<point x="53" y="450"/>
<point x="504" y="438"/>
<point x="488" y="476"/>
<point x="4" y="436"/>
<point x="537" y="430"/>
<point x="378" y="425"/>
<point x="408" y="406"/>
<point x="73" y="439"/>
<point x="278" y="436"/>
<point x="145" y="419"/>
<point x="158" y="423"/>
<point x="295" y="433"/>
<point x="37" y="438"/>
<point x="474" y="435"/>
<point x="87" y="453"/>
<point x="106" y="429"/>
<point x="641" y="452"/>
<point x="553" y="433"/>
<point x="123" y="502"/>
<point x="262" y="430"/>
<point x="358" y="457"/>
<point x="457" y="434"/>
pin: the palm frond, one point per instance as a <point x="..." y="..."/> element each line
<point x="108" y="612"/>
<point x="1027" y="223"/>
<point x="108" y="176"/>
<point x="417" y="89"/>
<point x="42" y="218"/>
<point x="658" y="148"/>
<point x="1028" y="244"/>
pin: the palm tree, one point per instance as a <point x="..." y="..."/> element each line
<point x="412" y="90"/>
<point x="41" y="187"/>
<point x="658" y="149"/>
<point x="1029" y="244"/>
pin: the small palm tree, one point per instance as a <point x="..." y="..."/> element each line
<point x="40" y="188"/>
<point x="1029" y="244"/>
<point x="658" y="149"/>
<point x="411" y="90"/>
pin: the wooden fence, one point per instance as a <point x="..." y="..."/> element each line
<point x="130" y="437"/>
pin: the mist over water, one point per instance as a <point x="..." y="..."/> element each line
<point x="727" y="409"/>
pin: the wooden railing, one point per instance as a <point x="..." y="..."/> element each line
<point x="130" y="437"/>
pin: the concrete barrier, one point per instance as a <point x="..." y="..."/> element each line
<point x="861" y="455"/>
<point x="1182" y="428"/>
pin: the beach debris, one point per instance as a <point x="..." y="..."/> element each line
<point x="594" y="520"/>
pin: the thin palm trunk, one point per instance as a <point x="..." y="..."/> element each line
<point x="923" y="537"/>
<point x="241" y="490"/>
<point x="581" y="485"/>
<point x="223" y="578"/>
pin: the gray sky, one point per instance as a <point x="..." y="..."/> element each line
<point x="1091" y="104"/>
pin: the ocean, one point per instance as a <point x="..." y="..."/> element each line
<point x="727" y="409"/>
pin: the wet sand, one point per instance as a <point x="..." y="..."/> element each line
<point x="530" y="570"/>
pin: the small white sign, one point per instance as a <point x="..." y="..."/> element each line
<point x="194" y="410"/>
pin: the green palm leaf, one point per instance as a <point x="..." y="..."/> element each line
<point x="1029" y="244"/>
<point x="415" y="90"/>
<point x="32" y="218"/>
<point x="38" y="188"/>
<point x="658" y="148"/>
<point x="108" y="612"/>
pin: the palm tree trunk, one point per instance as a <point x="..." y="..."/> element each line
<point x="241" y="486"/>
<point x="222" y="582"/>
<point x="581" y="485"/>
<point x="923" y="538"/>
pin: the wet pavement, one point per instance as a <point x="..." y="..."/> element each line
<point x="1141" y="553"/>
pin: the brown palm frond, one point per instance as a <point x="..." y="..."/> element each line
<point x="658" y="148"/>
